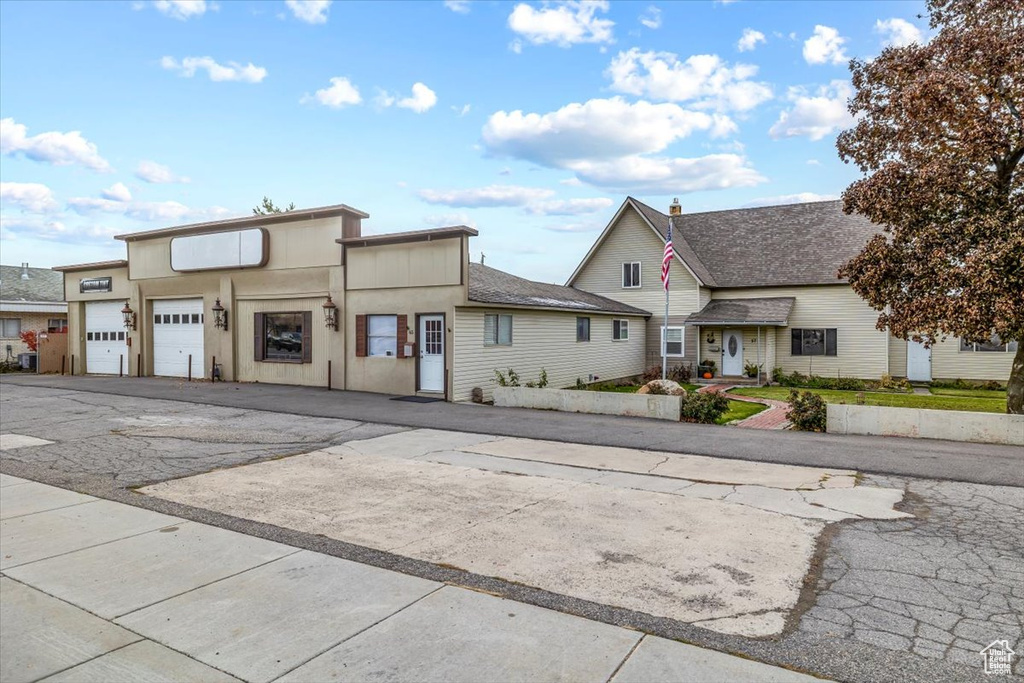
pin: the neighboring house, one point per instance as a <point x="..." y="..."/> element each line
<point x="760" y="286"/>
<point x="31" y="299"/>
<point x="411" y="314"/>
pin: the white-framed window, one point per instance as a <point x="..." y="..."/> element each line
<point x="631" y="275"/>
<point x="497" y="329"/>
<point x="582" y="329"/>
<point x="57" y="325"/>
<point x="382" y="335"/>
<point x="994" y="344"/>
<point x="10" y="328"/>
<point x="620" y="330"/>
<point x="672" y="344"/>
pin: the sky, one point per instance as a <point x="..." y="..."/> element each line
<point x="529" y="121"/>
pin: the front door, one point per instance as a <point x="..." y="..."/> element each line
<point x="432" y="353"/>
<point x="732" y="353"/>
<point x="919" y="362"/>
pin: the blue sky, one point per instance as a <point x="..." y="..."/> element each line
<point x="529" y="121"/>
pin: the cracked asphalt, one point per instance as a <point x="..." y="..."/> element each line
<point x="904" y="600"/>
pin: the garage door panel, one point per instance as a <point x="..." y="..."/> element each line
<point x="178" y="328"/>
<point x="105" y="338"/>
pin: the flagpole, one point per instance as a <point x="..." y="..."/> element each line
<point x="664" y="329"/>
<point x="666" y="270"/>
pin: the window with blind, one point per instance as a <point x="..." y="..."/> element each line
<point x="814" y="342"/>
<point x="497" y="329"/>
<point x="672" y="341"/>
<point x="382" y="335"/>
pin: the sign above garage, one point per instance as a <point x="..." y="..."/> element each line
<point x="220" y="250"/>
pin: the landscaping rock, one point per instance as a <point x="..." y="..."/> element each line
<point x="665" y="387"/>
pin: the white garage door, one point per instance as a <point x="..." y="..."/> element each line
<point x="105" y="348"/>
<point x="177" y="334"/>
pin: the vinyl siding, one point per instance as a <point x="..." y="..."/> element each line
<point x="862" y="349"/>
<point x="752" y="352"/>
<point x="655" y="326"/>
<point x="543" y="339"/>
<point x="949" y="362"/>
<point x="632" y="239"/>
<point x="897" y="357"/>
<point x="303" y="374"/>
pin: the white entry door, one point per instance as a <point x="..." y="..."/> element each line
<point x="732" y="353"/>
<point x="177" y="335"/>
<point x="105" y="350"/>
<point x="919" y="362"/>
<point x="432" y="353"/>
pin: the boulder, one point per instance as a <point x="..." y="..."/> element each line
<point x="663" y="387"/>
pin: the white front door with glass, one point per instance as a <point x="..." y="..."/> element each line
<point x="431" y="353"/>
<point x="732" y="353"/>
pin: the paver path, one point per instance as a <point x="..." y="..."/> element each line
<point x="774" y="417"/>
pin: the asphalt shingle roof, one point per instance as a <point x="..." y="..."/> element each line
<point x="769" y="311"/>
<point x="491" y="286"/>
<point x="767" y="246"/>
<point x="42" y="284"/>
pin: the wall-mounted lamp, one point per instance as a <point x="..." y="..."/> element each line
<point x="129" y="316"/>
<point x="711" y="337"/>
<point x="330" y="314"/>
<point x="220" y="316"/>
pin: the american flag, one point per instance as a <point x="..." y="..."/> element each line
<point x="667" y="260"/>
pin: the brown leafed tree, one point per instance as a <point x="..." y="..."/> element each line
<point x="939" y="136"/>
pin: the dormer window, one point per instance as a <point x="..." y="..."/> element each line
<point x="631" y="275"/>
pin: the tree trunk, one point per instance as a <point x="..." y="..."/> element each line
<point x="1015" y="385"/>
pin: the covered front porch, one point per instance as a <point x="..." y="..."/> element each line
<point x="737" y="337"/>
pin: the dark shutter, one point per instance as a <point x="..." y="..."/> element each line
<point x="796" y="348"/>
<point x="360" y="336"/>
<point x="307" y="336"/>
<point x="830" y="342"/>
<point x="402" y="335"/>
<point x="259" y="338"/>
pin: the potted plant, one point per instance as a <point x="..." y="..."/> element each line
<point x="707" y="368"/>
<point x="751" y="370"/>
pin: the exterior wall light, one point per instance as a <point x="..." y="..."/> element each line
<point x="330" y="314"/>
<point x="220" y="316"/>
<point x="129" y="316"/>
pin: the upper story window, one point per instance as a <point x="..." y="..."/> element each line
<point x="497" y="329"/>
<point x="631" y="275"/>
<point x="813" y="342"/>
<point x="994" y="344"/>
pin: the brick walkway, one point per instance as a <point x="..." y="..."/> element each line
<point x="774" y="417"/>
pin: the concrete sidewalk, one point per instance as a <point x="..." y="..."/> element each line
<point x="957" y="461"/>
<point x="94" y="590"/>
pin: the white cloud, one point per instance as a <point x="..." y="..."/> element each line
<point x="569" y="207"/>
<point x="461" y="111"/>
<point x="651" y="18"/>
<point x="89" y="205"/>
<point x="59" y="149"/>
<point x="232" y="71"/>
<point x="118" y="192"/>
<point x="183" y="9"/>
<point x="563" y="23"/>
<point x="749" y="40"/>
<point x="705" y="80"/>
<point x="799" y="198"/>
<point x="490" y="196"/>
<point x="592" y="226"/>
<point x="421" y="100"/>
<point x="310" y="11"/>
<point x="825" y="46"/>
<point x="152" y="172"/>
<point x="339" y="94"/>
<point x="516" y="46"/>
<point x="898" y="32"/>
<point x="667" y="175"/>
<point x="55" y="228"/>
<point x="458" y="6"/>
<point x="817" y="115"/>
<point x="571" y="182"/>
<point x="165" y="211"/>
<point x="31" y="197"/>
<point x="813" y="162"/>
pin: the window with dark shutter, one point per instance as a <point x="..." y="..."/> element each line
<point x="307" y="336"/>
<point x="402" y="335"/>
<point x="259" y="350"/>
<point x="360" y="336"/>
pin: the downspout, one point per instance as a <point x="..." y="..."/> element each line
<point x="758" y="355"/>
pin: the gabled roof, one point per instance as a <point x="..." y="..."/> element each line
<point x="679" y="243"/>
<point x="42" y="285"/>
<point x="768" y="246"/>
<point x="764" y="311"/>
<point x="491" y="286"/>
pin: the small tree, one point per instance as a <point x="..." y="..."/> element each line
<point x="267" y="207"/>
<point x="940" y="139"/>
<point x="30" y="339"/>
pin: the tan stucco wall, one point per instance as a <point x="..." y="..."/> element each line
<point x="326" y="344"/>
<point x="121" y="290"/>
<point x="120" y="287"/>
<point x="397" y="375"/>
<point x="416" y="264"/>
<point x="543" y="339"/>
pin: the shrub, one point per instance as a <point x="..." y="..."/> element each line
<point x="650" y="374"/>
<point x="798" y="379"/>
<point x="890" y="383"/>
<point x="543" y="381"/>
<point x="681" y="373"/>
<point x="703" y="406"/>
<point x="510" y="380"/>
<point x="751" y="369"/>
<point x="656" y="389"/>
<point x="807" y="411"/>
<point x="580" y="385"/>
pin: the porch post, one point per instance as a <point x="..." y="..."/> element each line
<point x="758" y="355"/>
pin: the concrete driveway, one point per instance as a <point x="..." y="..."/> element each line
<point x="720" y="544"/>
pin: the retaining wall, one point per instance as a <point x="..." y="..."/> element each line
<point x="953" y="425"/>
<point x="599" y="402"/>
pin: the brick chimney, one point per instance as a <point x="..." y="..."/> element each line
<point x="675" y="208"/>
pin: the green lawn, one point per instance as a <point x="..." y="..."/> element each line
<point x="971" y="393"/>
<point x="874" y="398"/>
<point x="740" y="410"/>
